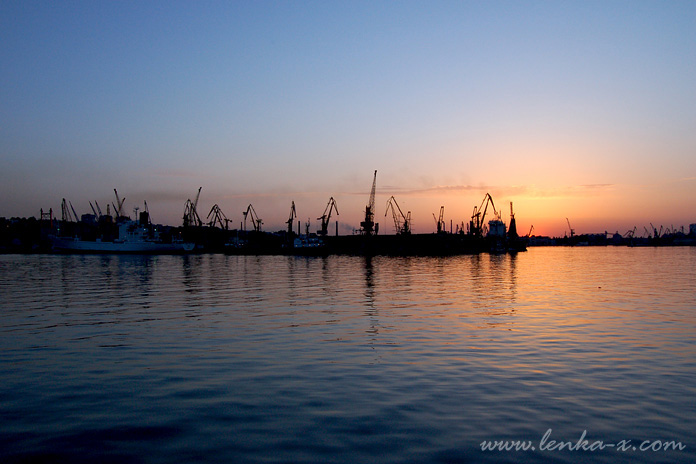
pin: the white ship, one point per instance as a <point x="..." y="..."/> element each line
<point x="133" y="237"/>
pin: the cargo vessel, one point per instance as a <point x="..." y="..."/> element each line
<point x="134" y="237"/>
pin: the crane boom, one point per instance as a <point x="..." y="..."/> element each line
<point x="198" y="195"/>
<point x="119" y="204"/>
<point x="368" y="225"/>
<point x="94" y="210"/>
<point x="441" y="220"/>
<point x="572" y="231"/>
<point x="372" y="192"/>
<point x="73" y="210"/>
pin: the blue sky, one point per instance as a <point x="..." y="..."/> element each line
<point x="584" y="110"/>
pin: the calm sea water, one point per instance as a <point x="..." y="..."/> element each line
<point x="216" y="358"/>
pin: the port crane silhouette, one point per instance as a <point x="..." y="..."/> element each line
<point x="368" y="225"/>
<point x="440" y="220"/>
<point x="402" y="223"/>
<point x="191" y="217"/>
<point x="67" y="216"/>
<point x="326" y="217"/>
<point x="255" y="220"/>
<point x="476" y="226"/>
<point x="293" y="215"/>
<point x="218" y="217"/>
<point x="572" y="231"/>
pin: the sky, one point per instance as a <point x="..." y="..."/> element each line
<point x="583" y="110"/>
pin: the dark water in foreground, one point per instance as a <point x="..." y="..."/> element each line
<point x="343" y="359"/>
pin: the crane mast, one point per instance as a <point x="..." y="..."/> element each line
<point x="368" y="225"/>
<point x="293" y="215"/>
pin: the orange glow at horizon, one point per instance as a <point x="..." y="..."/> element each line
<point x="589" y="208"/>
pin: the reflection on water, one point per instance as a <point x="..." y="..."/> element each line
<point x="346" y="359"/>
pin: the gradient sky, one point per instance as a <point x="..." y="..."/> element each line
<point x="583" y="109"/>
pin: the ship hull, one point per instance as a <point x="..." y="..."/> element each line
<point x="69" y="245"/>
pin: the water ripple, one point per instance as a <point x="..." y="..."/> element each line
<point x="345" y="359"/>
